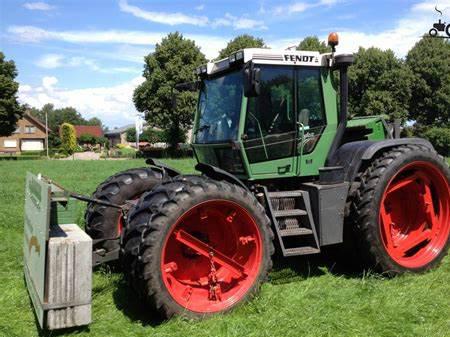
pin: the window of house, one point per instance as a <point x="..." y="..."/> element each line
<point x="18" y="130"/>
<point x="30" y="129"/>
<point x="10" y="143"/>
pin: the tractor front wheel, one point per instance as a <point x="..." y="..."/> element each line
<point x="106" y="223"/>
<point x="403" y="210"/>
<point x="196" y="246"/>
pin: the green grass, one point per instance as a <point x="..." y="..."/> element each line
<point x="305" y="297"/>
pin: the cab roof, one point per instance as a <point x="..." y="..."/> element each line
<point x="267" y="56"/>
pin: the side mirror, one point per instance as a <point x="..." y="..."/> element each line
<point x="187" y="86"/>
<point x="180" y="87"/>
<point x="252" y="78"/>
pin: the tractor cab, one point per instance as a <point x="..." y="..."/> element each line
<point x="264" y="113"/>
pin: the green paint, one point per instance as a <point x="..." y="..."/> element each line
<point x="35" y="191"/>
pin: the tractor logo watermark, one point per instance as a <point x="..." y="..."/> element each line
<point x="439" y="27"/>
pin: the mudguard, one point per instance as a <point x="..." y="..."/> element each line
<point x="167" y="170"/>
<point x="216" y="173"/>
<point x="351" y="155"/>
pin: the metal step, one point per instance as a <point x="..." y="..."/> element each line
<point x="295" y="231"/>
<point x="285" y="194"/>
<point x="301" y="251"/>
<point x="289" y="213"/>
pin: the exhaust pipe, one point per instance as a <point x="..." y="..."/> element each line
<point x="341" y="62"/>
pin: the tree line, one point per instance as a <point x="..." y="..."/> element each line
<point x="415" y="88"/>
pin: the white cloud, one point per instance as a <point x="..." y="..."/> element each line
<point x="36" y="34"/>
<point x="48" y="82"/>
<point x="113" y="105"/>
<point x="238" y="22"/>
<point x="209" y="44"/>
<point x="200" y="7"/>
<point x="173" y="19"/>
<point x="429" y="6"/>
<point x="52" y="61"/>
<point x="161" y="17"/>
<point x="38" y="6"/>
<point x="300" y="6"/>
<point x="328" y="2"/>
<point x="400" y="38"/>
<point x="404" y="34"/>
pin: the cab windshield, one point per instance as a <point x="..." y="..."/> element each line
<point x="219" y="107"/>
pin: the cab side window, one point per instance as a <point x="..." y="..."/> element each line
<point x="310" y="107"/>
<point x="270" y="123"/>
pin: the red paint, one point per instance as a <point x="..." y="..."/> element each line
<point x="215" y="266"/>
<point x="120" y="224"/>
<point x="415" y="214"/>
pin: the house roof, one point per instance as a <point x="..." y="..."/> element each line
<point x="35" y="121"/>
<point x="93" y="130"/>
<point x="118" y="131"/>
<point x="123" y="129"/>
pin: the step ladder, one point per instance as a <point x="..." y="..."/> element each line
<point x="291" y="215"/>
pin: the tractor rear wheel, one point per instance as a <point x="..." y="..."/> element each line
<point x="106" y="222"/>
<point x="403" y="210"/>
<point x="197" y="246"/>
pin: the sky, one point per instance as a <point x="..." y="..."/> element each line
<point x="89" y="54"/>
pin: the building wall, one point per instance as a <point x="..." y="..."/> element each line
<point x="22" y="132"/>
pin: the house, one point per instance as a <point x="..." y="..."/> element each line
<point x="91" y="130"/>
<point x="118" y="135"/>
<point x="29" y="136"/>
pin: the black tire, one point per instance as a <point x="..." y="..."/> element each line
<point x="366" y="206"/>
<point x="150" y="223"/>
<point x="433" y="32"/>
<point x="447" y="30"/>
<point x="101" y="221"/>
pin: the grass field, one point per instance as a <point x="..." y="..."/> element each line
<point x="305" y="297"/>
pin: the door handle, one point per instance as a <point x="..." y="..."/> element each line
<point x="284" y="169"/>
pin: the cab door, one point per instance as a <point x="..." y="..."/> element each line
<point x="311" y="117"/>
<point x="270" y="130"/>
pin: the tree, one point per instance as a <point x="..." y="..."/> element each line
<point x="87" y="139"/>
<point x="56" y="117"/>
<point x="148" y="135"/>
<point x="241" y="42"/>
<point x="379" y="84"/>
<point x="440" y="138"/>
<point x="10" y="109"/>
<point x="312" y="43"/>
<point x="68" y="138"/>
<point x="94" y="121"/>
<point x="103" y="141"/>
<point x="173" y="61"/>
<point x="429" y="60"/>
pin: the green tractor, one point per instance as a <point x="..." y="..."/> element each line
<point x="282" y="169"/>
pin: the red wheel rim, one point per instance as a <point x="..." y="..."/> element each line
<point x="212" y="256"/>
<point x="414" y="214"/>
<point x="120" y="224"/>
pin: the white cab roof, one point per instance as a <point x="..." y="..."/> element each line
<point x="275" y="57"/>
